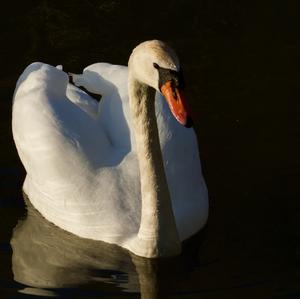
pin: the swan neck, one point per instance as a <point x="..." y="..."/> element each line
<point x="153" y="179"/>
<point x="157" y="224"/>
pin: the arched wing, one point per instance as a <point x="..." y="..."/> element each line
<point x="56" y="140"/>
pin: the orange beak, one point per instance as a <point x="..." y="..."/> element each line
<point x="177" y="104"/>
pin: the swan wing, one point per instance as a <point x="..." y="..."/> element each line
<point x="110" y="81"/>
<point x="103" y="78"/>
<point x="56" y="140"/>
<point x="85" y="102"/>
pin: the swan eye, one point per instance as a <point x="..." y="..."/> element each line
<point x="156" y="65"/>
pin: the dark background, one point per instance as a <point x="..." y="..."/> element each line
<point x="240" y="62"/>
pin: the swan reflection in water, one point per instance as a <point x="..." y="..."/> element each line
<point x="51" y="261"/>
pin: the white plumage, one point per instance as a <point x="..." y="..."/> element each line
<point x="81" y="158"/>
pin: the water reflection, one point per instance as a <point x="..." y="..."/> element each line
<point x="48" y="259"/>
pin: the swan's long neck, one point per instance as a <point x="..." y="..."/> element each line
<point x="157" y="233"/>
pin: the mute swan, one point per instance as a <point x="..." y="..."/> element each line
<point x="124" y="171"/>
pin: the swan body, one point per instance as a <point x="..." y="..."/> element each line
<point x="123" y="171"/>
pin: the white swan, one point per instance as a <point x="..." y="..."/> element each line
<point x="124" y="171"/>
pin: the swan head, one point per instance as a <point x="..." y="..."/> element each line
<point x="155" y="64"/>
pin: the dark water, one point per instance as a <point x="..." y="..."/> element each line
<point x="240" y="67"/>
